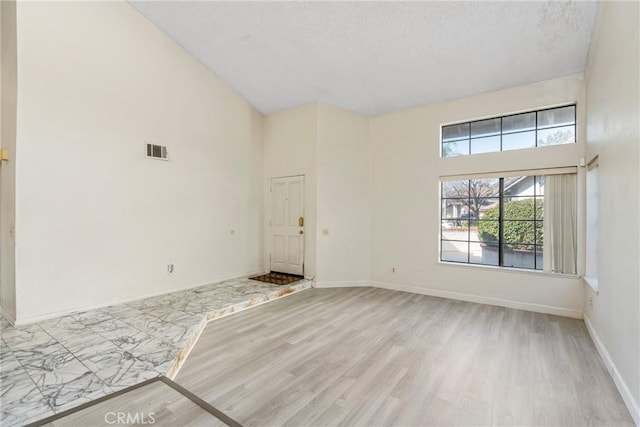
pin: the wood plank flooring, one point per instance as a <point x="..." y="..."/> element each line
<point x="374" y="357"/>
<point x="155" y="403"/>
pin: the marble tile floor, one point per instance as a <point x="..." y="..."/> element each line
<point x="53" y="365"/>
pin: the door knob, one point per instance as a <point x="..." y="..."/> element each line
<point x="301" y="232"/>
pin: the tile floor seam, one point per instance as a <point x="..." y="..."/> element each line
<point x="120" y="347"/>
<point x="125" y="351"/>
<point x="30" y="376"/>
<point x="163" y="340"/>
<point x="74" y="357"/>
<point x="77" y="359"/>
<point x="115" y="343"/>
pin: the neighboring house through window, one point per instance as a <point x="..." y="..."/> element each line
<point x="494" y="221"/>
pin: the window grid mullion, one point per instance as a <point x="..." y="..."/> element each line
<point x="536" y="141"/>
<point x="501" y="133"/>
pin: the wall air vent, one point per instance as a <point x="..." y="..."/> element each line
<point x="157" y="152"/>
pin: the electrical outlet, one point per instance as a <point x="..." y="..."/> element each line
<point x="170" y="268"/>
<point x="590" y="301"/>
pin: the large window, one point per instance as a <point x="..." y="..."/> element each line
<point x="495" y="221"/>
<point x="540" y="128"/>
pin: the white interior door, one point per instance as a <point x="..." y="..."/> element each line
<point x="287" y="225"/>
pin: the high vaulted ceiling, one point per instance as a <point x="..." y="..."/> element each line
<point x="377" y="57"/>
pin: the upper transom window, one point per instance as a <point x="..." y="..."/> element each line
<point x="551" y="126"/>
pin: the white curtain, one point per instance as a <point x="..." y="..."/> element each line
<point x="560" y="218"/>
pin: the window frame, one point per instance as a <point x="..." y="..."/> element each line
<point x="502" y="133"/>
<point x="537" y="246"/>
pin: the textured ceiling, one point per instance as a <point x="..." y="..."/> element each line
<point x="376" y="57"/>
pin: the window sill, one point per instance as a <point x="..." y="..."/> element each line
<point x="508" y="270"/>
<point x="592" y="282"/>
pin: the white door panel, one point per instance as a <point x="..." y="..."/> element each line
<point x="287" y="225"/>
<point x="278" y="199"/>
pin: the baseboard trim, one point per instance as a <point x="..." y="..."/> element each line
<point x="34" y="319"/>
<point x="538" y="308"/>
<point x="343" y="284"/>
<point x="621" y="385"/>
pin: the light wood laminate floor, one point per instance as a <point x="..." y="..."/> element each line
<point x="155" y="403"/>
<point x="374" y="357"/>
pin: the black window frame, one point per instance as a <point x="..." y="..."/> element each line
<point x="537" y="246"/>
<point x="502" y="133"/>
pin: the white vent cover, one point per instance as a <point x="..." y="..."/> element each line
<point x="157" y="152"/>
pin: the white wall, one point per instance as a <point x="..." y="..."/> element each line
<point x="8" y="86"/>
<point x="343" y="196"/>
<point x="613" y="133"/>
<point x="97" y="222"/>
<point x="405" y="171"/>
<point x="290" y="141"/>
<point x="327" y="145"/>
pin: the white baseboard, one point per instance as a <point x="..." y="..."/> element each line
<point x="621" y="385"/>
<point x="538" y="308"/>
<point x="53" y="315"/>
<point x="343" y="284"/>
